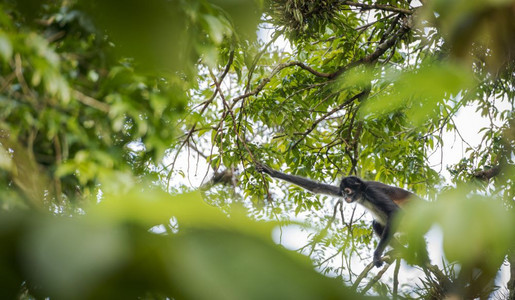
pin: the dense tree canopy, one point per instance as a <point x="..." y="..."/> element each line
<point x="130" y="133"/>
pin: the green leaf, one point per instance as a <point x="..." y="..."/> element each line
<point x="6" y="162"/>
<point x="420" y="91"/>
<point x="6" y="49"/>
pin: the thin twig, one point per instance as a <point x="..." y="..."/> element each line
<point x="381" y="49"/>
<point x="275" y="71"/>
<point x="92" y="102"/>
<point x="231" y="113"/>
<point x="334" y="110"/>
<point x="396" y="278"/>
<point x="256" y="59"/>
<point x="192" y="130"/>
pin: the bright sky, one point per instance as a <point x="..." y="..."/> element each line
<point x="469" y="123"/>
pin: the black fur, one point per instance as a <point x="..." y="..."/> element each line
<point x="376" y="197"/>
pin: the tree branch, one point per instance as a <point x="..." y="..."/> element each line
<point x="511" y="282"/>
<point x="372" y="57"/>
<point x="388" y="261"/>
<point x="396" y="278"/>
<point x="89" y="101"/>
<point x="276" y="70"/>
<point x="231" y="113"/>
<point x="381" y="49"/>
<point x="334" y="110"/>
<point x="193" y="128"/>
<point x="388" y="258"/>
<point x="379" y="7"/>
<point x="488" y="173"/>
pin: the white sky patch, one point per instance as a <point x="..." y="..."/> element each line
<point x="468" y="123"/>
<point x="292" y="237"/>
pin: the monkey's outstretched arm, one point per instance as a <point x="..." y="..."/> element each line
<point x="308" y="184"/>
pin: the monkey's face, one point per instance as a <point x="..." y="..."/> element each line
<point x="350" y="189"/>
<point x="350" y="195"/>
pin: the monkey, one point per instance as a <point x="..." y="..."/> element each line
<point x="382" y="201"/>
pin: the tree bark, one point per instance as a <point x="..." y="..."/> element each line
<point x="511" y="283"/>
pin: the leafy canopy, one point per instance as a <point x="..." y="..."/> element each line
<point x="109" y="111"/>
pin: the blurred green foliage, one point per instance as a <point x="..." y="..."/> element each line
<point x="415" y="92"/>
<point x="171" y="36"/>
<point x="109" y="253"/>
<point x="478" y="229"/>
<point x="478" y="232"/>
<point x="476" y="30"/>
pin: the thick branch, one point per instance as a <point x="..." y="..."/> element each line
<point x="376" y="278"/>
<point x="488" y="173"/>
<point x="511" y="282"/>
<point x="379" y="6"/>
<point x="381" y="49"/>
<point x="310" y="70"/>
<point x="276" y="70"/>
<point x="388" y="258"/>
<point x="372" y="57"/>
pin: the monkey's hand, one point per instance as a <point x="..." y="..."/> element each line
<point x="262" y="168"/>
<point x="378" y="262"/>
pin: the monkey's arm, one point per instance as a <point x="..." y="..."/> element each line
<point x="308" y="184"/>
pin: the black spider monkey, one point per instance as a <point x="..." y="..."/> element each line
<point x="381" y="200"/>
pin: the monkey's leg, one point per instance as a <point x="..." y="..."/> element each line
<point x="378" y="228"/>
<point x="383" y="242"/>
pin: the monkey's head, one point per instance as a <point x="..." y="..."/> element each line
<point x="351" y="188"/>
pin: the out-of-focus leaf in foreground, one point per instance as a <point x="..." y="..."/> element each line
<point x="477" y="230"/>
<point x="421" y="91"/>
<point x="171" y="35"/>
<point x="475" y="28"/>
<point x="111" y="253"/>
